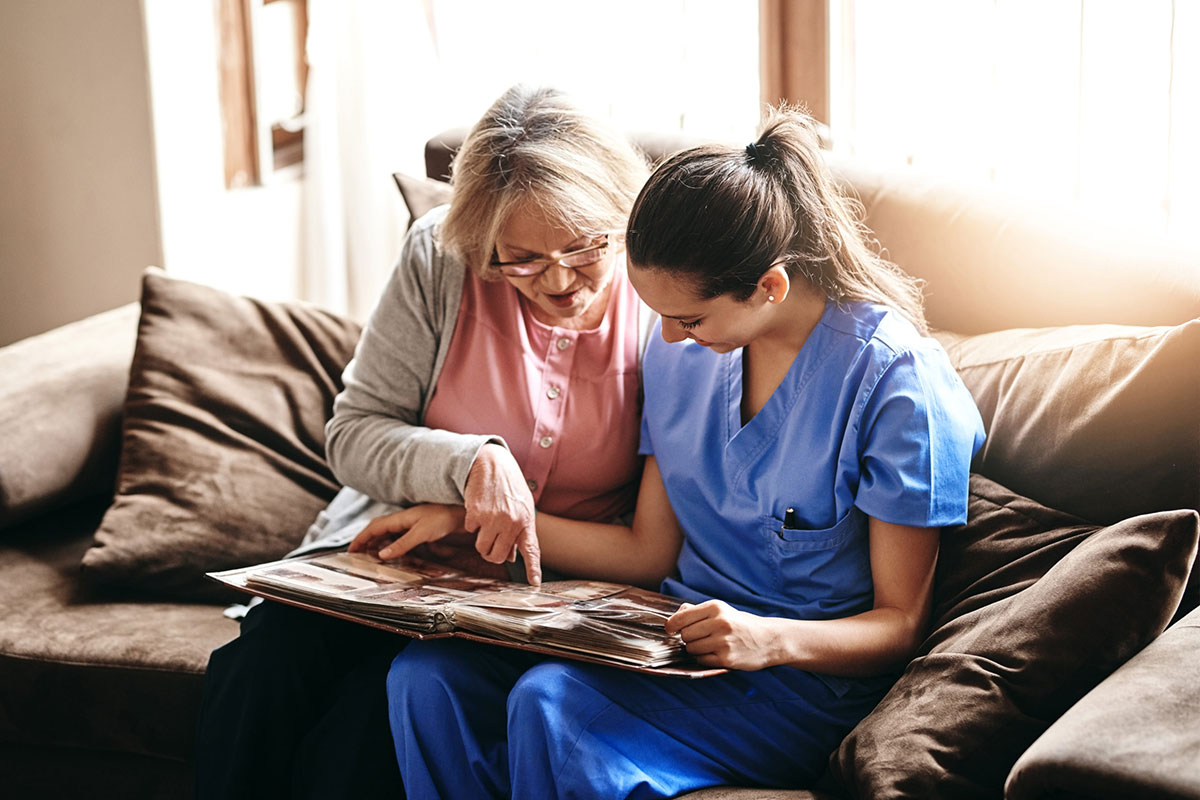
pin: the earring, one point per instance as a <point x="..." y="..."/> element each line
<point x="771" y="298"/>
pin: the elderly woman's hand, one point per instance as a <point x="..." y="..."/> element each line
<point x="500" y="508"/>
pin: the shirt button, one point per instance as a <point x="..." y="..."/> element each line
<point x="553" y="392"/>
<point x="532" y="485"/>
<point x="545" y="441"/>
<point x="563" y="343"/>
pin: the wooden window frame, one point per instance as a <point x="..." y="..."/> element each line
<point x="255" y="148"/>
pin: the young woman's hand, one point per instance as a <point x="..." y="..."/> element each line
<point x="719" y="635"/>
<point x="500" y="510"/>
<point x="395" y="534"/>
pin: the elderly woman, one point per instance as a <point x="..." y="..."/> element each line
<point x="508" y="335"/>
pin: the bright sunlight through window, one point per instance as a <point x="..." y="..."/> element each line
<point x="1089" y="101"/>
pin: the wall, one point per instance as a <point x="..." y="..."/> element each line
<point x="78" y="204"/>
<point x="111" y="160"/>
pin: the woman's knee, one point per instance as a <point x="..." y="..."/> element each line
<point x="273" y="636"/>
<point x="423" y="672"/>
<point x="538" y="688"/>
<point x="555" y="694"/>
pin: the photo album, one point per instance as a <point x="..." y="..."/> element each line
<point x="596" y="621"/>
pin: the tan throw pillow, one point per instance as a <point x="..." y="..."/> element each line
<point x="222" y="442"/>
<point x="1101" y="421"/>
<point x="1032" y="609"/>
<point x="421" y="195"/>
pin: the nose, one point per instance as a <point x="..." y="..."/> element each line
<point x="557" y="279"/>
<point x="671" y="332"/>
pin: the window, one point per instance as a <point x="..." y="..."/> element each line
<point x="263" y="72"/>
<point x="684" y="64"/>
<point x="1085" y="101"/>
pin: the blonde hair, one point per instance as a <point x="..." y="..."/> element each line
<point x="723" y="215"/>
<point x="534" y="149"/>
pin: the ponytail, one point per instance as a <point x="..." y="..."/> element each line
<point x="723" y="216"/>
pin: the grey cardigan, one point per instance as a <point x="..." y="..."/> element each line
<point x="376" y="442"/>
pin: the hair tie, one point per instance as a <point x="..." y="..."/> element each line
<point x="752" y="151"/>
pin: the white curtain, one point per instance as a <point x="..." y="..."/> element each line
<point x="373" y="99"/>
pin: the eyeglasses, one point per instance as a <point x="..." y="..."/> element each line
<point x="573" y="259"/>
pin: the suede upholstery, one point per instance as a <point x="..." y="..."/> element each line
<point x="420" y="195"/>
<point x="63" y="446"/>
<point x="88" y="676"/>
<point x="223" y="437"/>
<point x="1135" y="736"/>
<point x="1100" y="421"/>
<point x="99" y="686"/>
<point x="1032" y="608"/>
<point x="994" y="261"/>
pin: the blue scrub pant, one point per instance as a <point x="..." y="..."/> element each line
<point x="475" y="721"/>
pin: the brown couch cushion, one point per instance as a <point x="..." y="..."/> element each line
<point x="223" y="446"/>
<point x="421" y="195"/>
<point x="1101" y="421"/>
<point x="60" y="413"/>
<point x="1032" y="609"/>
<point x="84" y="672"/>
<point x="1134" y="736"/>
<point x="996" y="260"/>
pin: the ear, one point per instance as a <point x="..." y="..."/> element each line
<point x="774" y="284"/>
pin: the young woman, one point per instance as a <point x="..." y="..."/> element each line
<point x="805" y="442"/>
<point x="508" y="331"/>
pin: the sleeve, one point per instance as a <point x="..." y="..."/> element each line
<point x="917" y="435"/>
<point x="645" y="446"/>
<point x="653" y="343"/>
<point x="374" y="440"/>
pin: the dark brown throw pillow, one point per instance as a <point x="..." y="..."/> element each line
<point x="1101" y="421"/>
<point x="1032" y="609"/>
<point x="222" y="441"/>
<point x="421" y="195"/>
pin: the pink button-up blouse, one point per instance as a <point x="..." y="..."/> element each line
<point x="565" y="401"/>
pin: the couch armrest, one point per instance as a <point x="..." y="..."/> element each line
<point x="60" y="412"/>
<point x="1137" y="734"/>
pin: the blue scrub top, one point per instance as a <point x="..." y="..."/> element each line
<point x="871" y="420"/>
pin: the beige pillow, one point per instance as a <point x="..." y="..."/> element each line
<point x="222" y="442"/>
<point x="1101" y="421"/>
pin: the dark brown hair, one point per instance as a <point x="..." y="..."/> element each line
<point x="724" y="215"/>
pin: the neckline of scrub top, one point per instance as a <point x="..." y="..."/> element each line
<point x="745" y="441"/>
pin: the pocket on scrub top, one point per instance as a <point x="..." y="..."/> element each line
<point x="814" y="539"/>
<point x="824" y="572"/>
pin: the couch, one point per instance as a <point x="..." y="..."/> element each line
<point x="145" y="445"/>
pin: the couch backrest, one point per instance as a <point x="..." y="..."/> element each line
<point x="60" y="412"/>
<point x="991" y="261"/>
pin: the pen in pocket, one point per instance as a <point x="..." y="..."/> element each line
<point x="790" y="520"/>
